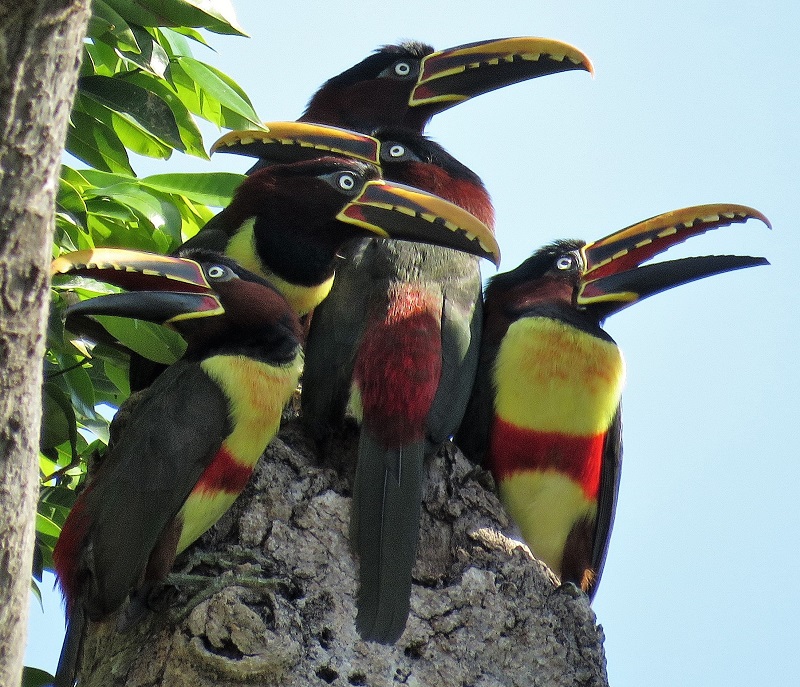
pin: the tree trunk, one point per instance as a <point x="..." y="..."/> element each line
<point x="267" y="597"/>
<point x="40" y="49"/>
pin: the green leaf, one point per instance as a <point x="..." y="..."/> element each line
<point x="109" y="208"/>
<point x="132" y="135"/>
<point x="74" y="178"/>
<point x="189" y="132"/>
<point x="152" y="58"/>
<point x="34" y="677"/>
<point x="98" y="179"/>
<point x="118" y="376"/>
<point x="209" y="189"/>
<point x="104" y="59"/>
<point x="133" y="12"/>
<point x="69" y="200"/>
<point x="106" y="20"/>
<point x="220" y="88"/>
<point x="144" y="106"/>
<point x="215" y="15"/>
<point x="149" y="340"/>
<point x="58" y="420"/>
<point x="173" y="41"/>
<point x="191" y="33"/>
<point x="37" y="593"/>
<point x="47" y="526"/>
<point x="96" y="144"/>
<point x="221" y="10"/>
<point x="218" y="17"/>
<point x="79" y="386"/>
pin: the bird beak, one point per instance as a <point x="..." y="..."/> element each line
<point x="448" y="77"/>
<point x="613" y="277"/>
<point x="397" y="211"/>
<point x="161" y="289"/>
<point x="284" y="142"/>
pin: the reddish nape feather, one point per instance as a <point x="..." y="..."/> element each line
<point x="69" y="549"/>
<point x="462" y="192"/>
<point x="514" y="449"/>
<point x="399" y="364"/>
<point x="224" y="473"/>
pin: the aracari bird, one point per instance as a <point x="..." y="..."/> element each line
<point x="399" y="343"/>
<point x="545" y="411"/>
<point x="189" y="442"/>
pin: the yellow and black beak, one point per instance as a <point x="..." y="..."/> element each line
<point x="613" y="276"/>
<point x="285" y="142"/>
<point x="160" y="289"/>
<point x="448" y="77"/>
<point x="397" y="211"/>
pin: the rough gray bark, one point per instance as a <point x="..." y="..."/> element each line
<point x="274" y="603"/>
<point x="40" y="50"/>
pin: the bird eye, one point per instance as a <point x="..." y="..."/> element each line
<point x="397" y="150"/>
<point x="347" y="181"/>
<point x="220" y="273"/>
<point x="565" y="262"/>
<point x="402" y="69"/>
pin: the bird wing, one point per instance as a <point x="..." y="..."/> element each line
<point x="171" y="434"/>
<point x="607" y="497"/>
<point x="473" y="434"/>
<point x="337" y="325"/>
<point x="462" y="315"/>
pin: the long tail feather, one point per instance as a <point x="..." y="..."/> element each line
<point x="387" y="499"/>
<point x="67" y="670"/>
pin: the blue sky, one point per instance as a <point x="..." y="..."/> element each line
<point x="693" y="102"/>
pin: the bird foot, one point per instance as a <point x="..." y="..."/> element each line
<point x="210" y="586"/>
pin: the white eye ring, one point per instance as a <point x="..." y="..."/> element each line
<point x="565" y="262"/>
<point x="347" y="181"/>
<point x="216" y="272"/>
<point x="397" y="150"/>
<point x="402" y="69"/>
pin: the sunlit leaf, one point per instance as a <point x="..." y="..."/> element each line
<point x="215" y="15"/>
<point x="132" y="135"/>
<point x="104" y="59"/>
<point x="47" y="526"/>
<point x="187" y="127"/>
<point x="210" y="189"/>
<point x="69" y="200"/>
<point x="220" y="87"/>
<point x="96" y="144"/>
<point x="179" y="13"/>
<point x="191" y="33"/>
<point x="149" y="340"/>
<point x="58" y="420"/>
<point x="80" y="388"/>
<point x="106" y="20"/>
<point x="144" y="106"/>
<point x="173" y="41"/>
<point x="119" y="376"/>
<point x="152" y="56"/>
